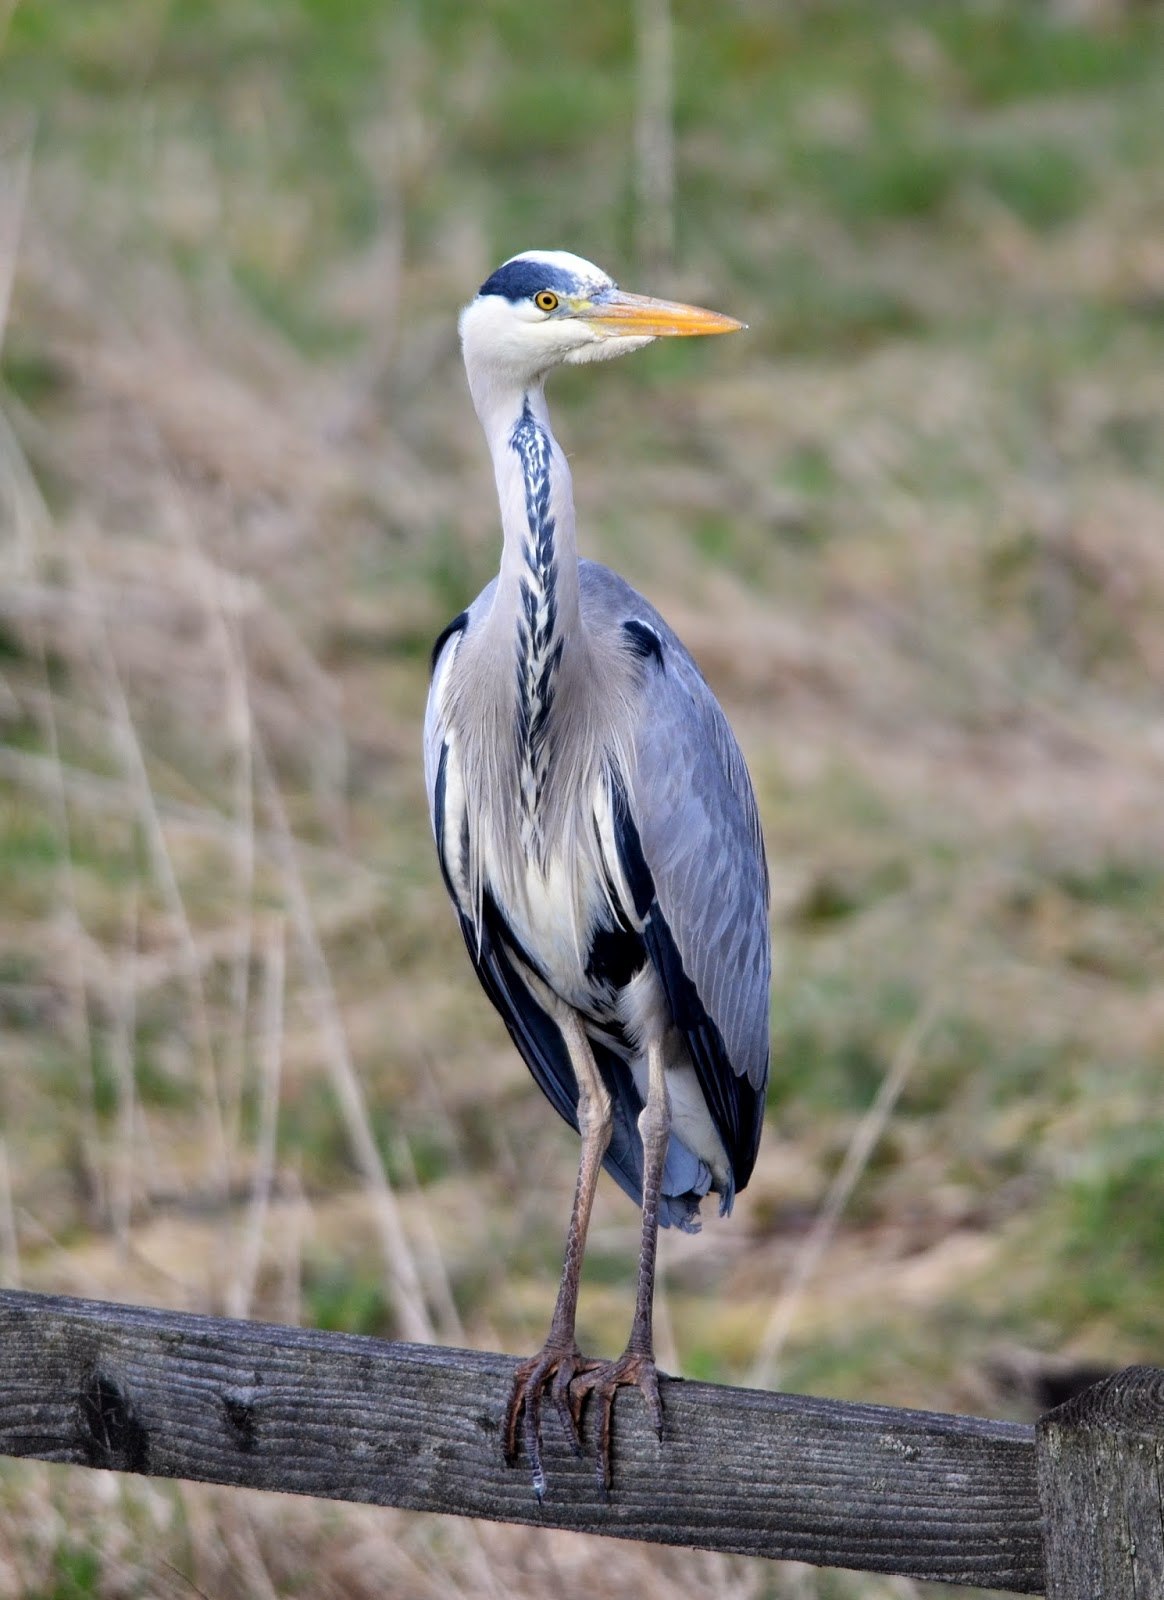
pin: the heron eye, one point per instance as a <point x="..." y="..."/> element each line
<point x="546" y="300"/>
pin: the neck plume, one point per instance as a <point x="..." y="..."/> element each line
<point x="535" y="611"/>
<point x="538" y="641"/>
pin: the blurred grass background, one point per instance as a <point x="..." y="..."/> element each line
<point x="912" y="524"/>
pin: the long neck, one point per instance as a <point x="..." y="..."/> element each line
<point x="535" y="617"/>
<point x="539" y="556"/>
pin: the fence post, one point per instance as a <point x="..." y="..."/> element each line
<point x="1101" y="1487"/>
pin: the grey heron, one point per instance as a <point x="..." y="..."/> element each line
<point x="598" y="835"/>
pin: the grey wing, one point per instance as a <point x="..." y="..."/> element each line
<point x="700" y="880"/>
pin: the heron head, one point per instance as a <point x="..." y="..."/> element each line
<point x="546" y="308"/>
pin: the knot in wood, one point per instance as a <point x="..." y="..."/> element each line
<point x="111" y="1433"/>
<point x="239" y="1404"/>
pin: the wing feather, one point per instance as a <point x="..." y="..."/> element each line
<point x="689" y="838"/>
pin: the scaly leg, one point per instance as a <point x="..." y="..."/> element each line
<point x="559" y="1360"/>
<point x="636" y="1365"/>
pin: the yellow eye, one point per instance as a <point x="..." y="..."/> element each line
<point x="546" y="300"/>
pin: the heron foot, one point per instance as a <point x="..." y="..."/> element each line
<point x="555" y="1367"/>
<point x="603" y="1380"/>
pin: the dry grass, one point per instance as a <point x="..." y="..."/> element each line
<point x="914" y="529"/>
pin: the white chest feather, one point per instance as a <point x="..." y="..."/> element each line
<point x="552" y="906"/>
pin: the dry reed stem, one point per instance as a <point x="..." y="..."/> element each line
<point x="30" y="518"/>
<point x="237" y="1524"/>
<point x="129" y="749"/>
<point x="408" y="1300"/>
<point x="207" y="580"/>
<point x="114" y="797"/>
<point x="240" y="1290"/>
<point x="765" y="1369"/>
<point x="287" y="1299"/>
<point x="122" y="1038"/>
<point x="437" y="1285"/>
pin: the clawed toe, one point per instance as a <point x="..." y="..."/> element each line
<point x="555" y="1369"/>
<point x="570" y="1419"/>
<point x="570" y="1381"/>
<point x="603" y="1380"/>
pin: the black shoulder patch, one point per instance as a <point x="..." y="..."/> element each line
<point x="644" y="641"/>
<point x="457" y="625"/>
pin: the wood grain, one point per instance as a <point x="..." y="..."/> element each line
<point x="1101" y="1481"/>
<point x="259" y="1406"/>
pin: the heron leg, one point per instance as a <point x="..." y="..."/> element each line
<point x="636" y="1365"/>
<point x="559" y="1361"/>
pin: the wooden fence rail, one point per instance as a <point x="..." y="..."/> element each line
<point x="949" y="1498"/>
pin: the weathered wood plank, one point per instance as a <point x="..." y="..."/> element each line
<point x="1101" y="1482"/>
<point x="259" y="1406"/>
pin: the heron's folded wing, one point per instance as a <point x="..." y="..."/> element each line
<point x="691" y="847"/>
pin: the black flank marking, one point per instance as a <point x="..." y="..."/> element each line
<point x="644" y="641"/>
<point x="112" y="1436"/>
<point x="438" y="817"/>
<point x="616" y="955"/>
<point x="630" y="849"/>
<point x="465" y="848"/>
<point x="457" y="625"/>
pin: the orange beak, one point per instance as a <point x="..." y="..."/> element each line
<point x="640" y="316"/>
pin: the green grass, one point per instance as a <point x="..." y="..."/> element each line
<point x="1113" y="1234"/>
<point x="345" y="1300"/>
<point x="77" y="1576"/>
